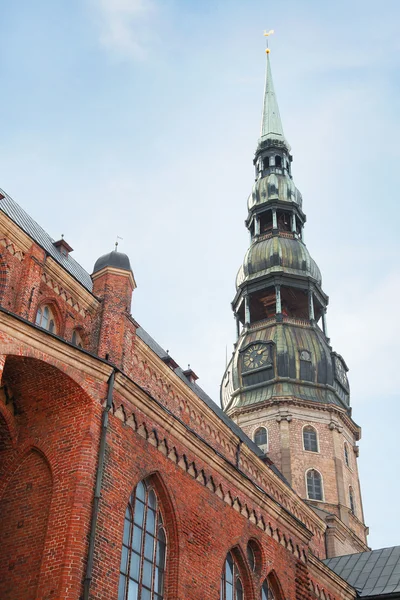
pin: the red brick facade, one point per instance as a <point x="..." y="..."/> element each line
<point x="215" y="494"/>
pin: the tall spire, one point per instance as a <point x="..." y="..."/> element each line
<point x="271" y="124"/>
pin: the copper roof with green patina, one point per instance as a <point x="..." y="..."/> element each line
<point x="276" y="255"/>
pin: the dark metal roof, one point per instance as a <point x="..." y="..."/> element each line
<point x="38" y="235"/>
<point x="161" y="353"/>
<point x="119" y="260"/>
<point x="372" y="573"/>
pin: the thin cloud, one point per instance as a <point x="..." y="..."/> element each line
<point x="125" y="26"/>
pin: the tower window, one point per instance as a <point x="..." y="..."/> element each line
<point x="45" y="319"/>
<point x="305" y="365"/>
<point x="144" y="547"/>
<point x="346" y="455"/>
<point x="231" y="585"/>
<point x="314" y="485"/>
<point x="278" y="161"/>
<point x="351" y="500"/>
<point x="261" y="436"/>
<point x="310" y="439"/>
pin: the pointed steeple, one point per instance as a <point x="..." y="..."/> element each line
<point x="271" y="124"/>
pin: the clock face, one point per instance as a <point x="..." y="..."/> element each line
<point x="256" y="356"/>
<point x="341" y="373"/>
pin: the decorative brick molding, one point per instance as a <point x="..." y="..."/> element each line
<point x="199" y="473"/>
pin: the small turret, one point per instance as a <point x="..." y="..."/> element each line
<point x="113" y="283"/>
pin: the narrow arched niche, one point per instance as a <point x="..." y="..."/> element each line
<point x="24" y="509"/>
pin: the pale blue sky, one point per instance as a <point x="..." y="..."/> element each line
<point x="140" y="119"/>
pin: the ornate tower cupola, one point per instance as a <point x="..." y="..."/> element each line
<point x="284" y="385"/>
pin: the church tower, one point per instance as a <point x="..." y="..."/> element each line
<point x="285" y="385"/>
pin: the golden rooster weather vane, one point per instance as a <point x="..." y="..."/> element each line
<point x="267" y="34"/>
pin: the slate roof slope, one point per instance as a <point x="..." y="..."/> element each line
<point x="9" y="207"/>
<point x="161" y="353"/>
<point x="374" y="573"/>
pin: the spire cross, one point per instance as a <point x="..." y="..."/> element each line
<point x="266" y="35"/>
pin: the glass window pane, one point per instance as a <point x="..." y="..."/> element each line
<point x="133" y="590"/>
<point x="264" y="591"/>
<point x="140" y="491"/>
<point x="51" y="326"/>
<point x="150" y="521"/>
<point x="137" y="539"/>
<point x="149" y="547"/>
<point x="146" y="594"/>
<point x="161" y="534"/>
<point x="127" y="532"/>
<point x="121" y="587"/>
<point x="152" y="500"/>
<point x="250" y="557"/>
<point x="158" y="581"/>
<point x="260" y="436"/>
<point x="134" y="566"/>
<point x="124" y="559"/>
<point x="38" y="316"/>
<point x="160" y="558"/>
<point x="229" y="591"/>
<point x="229" y="569"/>
<point x="139" y="512"/>
<point x="239" y="589"/>
<point x="147" y="573"/>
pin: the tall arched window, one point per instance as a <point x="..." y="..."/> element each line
<point x="261" y="436"/>
<point x="144" y="547"/>
<point x="310" y="439"/>
<point x="266" y="591"/>
<point x="346" y="455"/>
<point x="351" y="500"/>
<point x="231" y="584"/>
<point x="45" y="318"/>
<point x="314" y="485"/>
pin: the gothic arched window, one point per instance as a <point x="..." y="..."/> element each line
<point x="144" y="547"/>
<point x="352" y="502"/>
<point x="76" y="339"/>
<point x="266" y="592"/>
<point x="45" y="318"/>
<point x="261" y="436"/>
<point x="314" y="485"/>
<point x="346" y="455"/>
<point x="310" y="439"/>
<point x="231" y="584"/>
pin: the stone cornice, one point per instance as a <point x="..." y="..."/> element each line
<point x="290" y="400"/>
<point x="115" y="271"/>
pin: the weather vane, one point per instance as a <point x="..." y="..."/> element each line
<point x="267" y="34"/>
<point x="116" y="242"/>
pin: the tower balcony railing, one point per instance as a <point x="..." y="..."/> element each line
<point x="267" y="235"/>
<point x="280" y="318"/>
